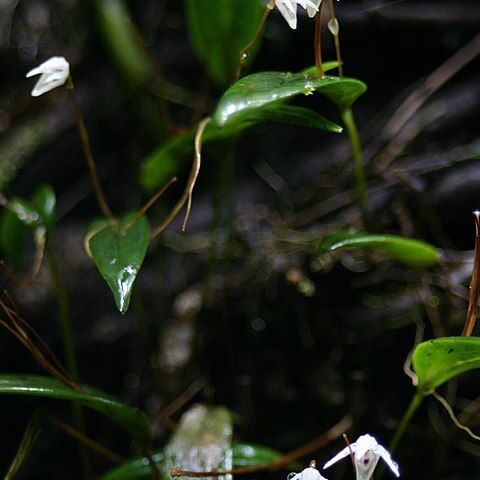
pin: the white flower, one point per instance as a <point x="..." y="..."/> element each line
<point x="366" y="452"/>
<point x="288" y="8"/>
<point x="310" y="473"/>
<point x="53" y="73"/>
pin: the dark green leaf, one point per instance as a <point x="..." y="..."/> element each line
<point x="45" y="203"/>
<point x="13" y="237"/>
<point x="250" y="454"/>
<point x="262" y="88"/>
<point x="164" y="162"/>
<point x="406" y="250"/>
<point x="129" y="418"/>
<point x="28" y="215"/>
<point x="118" y="253"/>
<point x="437" y="361"/>
<point x="219" y="30"/>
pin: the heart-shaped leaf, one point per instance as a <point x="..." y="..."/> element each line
<point x="129" y="418"/>
<point x="118" y="249"/>
<point x="437" y="361"/>
<point x="407" y="250"/>
<point x="262" y="88"/>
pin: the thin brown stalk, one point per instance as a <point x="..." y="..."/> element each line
<point x="246" y="49"/>
<point x="336" y="37"/>
<point x="87" y="441"/>
<point x="318" y="42"/>
<point x="87" y="151"/>
<point x="319" y="442"/>
<point x="187" y="194"/>
<point x="474" y="283"/>
<point x="150" y="202"/>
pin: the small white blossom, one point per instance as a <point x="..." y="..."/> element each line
<point x="288" y="8"/>
<point x="53" y="73"/>
<point x="366" y="452"/>
<point x="310" y="473"/>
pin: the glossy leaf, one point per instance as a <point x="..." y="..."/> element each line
<point x="164" y="163"/>
<point x="118" y="253"/>
<point x="243" y="455"/>
<point x="407" y="250"/>
<point x="219" y="30"/>
<point x="263" y="88"/>
<point x="129" y="418"/>
<point x="437" y="361"/>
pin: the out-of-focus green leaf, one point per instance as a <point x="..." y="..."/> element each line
<point x="45" y="203"/>
<point x="127" y="417"/>
<point x="437" y="361"/>
<point x="262" y="88"/>
<point x="32" y="432"/>
<point x="407" y="250"/>
<point x="118" y="253"/>
<point x="124" y="45"/>
<point x="243" y="455"/>
<point x="13" y="237"/>
<point x="251" y="454"/>
<point x="219" y="30"/>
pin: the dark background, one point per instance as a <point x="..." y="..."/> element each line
<point x="289" y="340"/>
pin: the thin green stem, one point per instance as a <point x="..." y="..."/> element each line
<point x="87" y="151"/>
<point x="412" y="408"/>
<point x="68" y="351"/>
<point x="351" y="126"/>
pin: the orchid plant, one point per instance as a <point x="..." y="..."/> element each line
<point x="225" y="43"/>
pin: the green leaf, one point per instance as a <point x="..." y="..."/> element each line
<point x="45" y="203"/>
<point x="32" y="432"/>
<point x="13" y="237"/>
<point x="243" y="455"/>
<point x="219" y="30"/>
<point x="164" y="162"/>
<point x="437" y="361"/>
<point x="407" y="250"/>
<point x="129" y="418"/>
<point x="118" y="253"/>
<point x="251" y="454"/>
<point x="259" y="89"/>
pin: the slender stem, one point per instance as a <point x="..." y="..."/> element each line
<point x="87" y="151"/>
<point x="246" y="49"/>
<point x="412" y="408"/>
<point x="474" y="283"/>
<point x="334" y="28"/>
<point x="187" y="194"/>
<point x="318" y="42"/>
<point x="350" y="125"/>
<point x="69" y="352"/>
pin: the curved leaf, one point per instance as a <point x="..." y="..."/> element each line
<point x="406" y="250"/>
<point x="262" y="88"/>
<point x="129" y="418"/>
<point x="118" y="253"/>
<point x="219" y="30"/>
<point x="437" y="361"/>
<point x="164" y="162"/>
<point x="243" y="455"/>
<point x="45" y="203"/>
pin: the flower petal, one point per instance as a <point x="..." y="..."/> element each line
<point x="344" y="453"/>
<point x="53" y="73"/>
<point x="288" y="8"/>
<point x="383" y="452"/>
